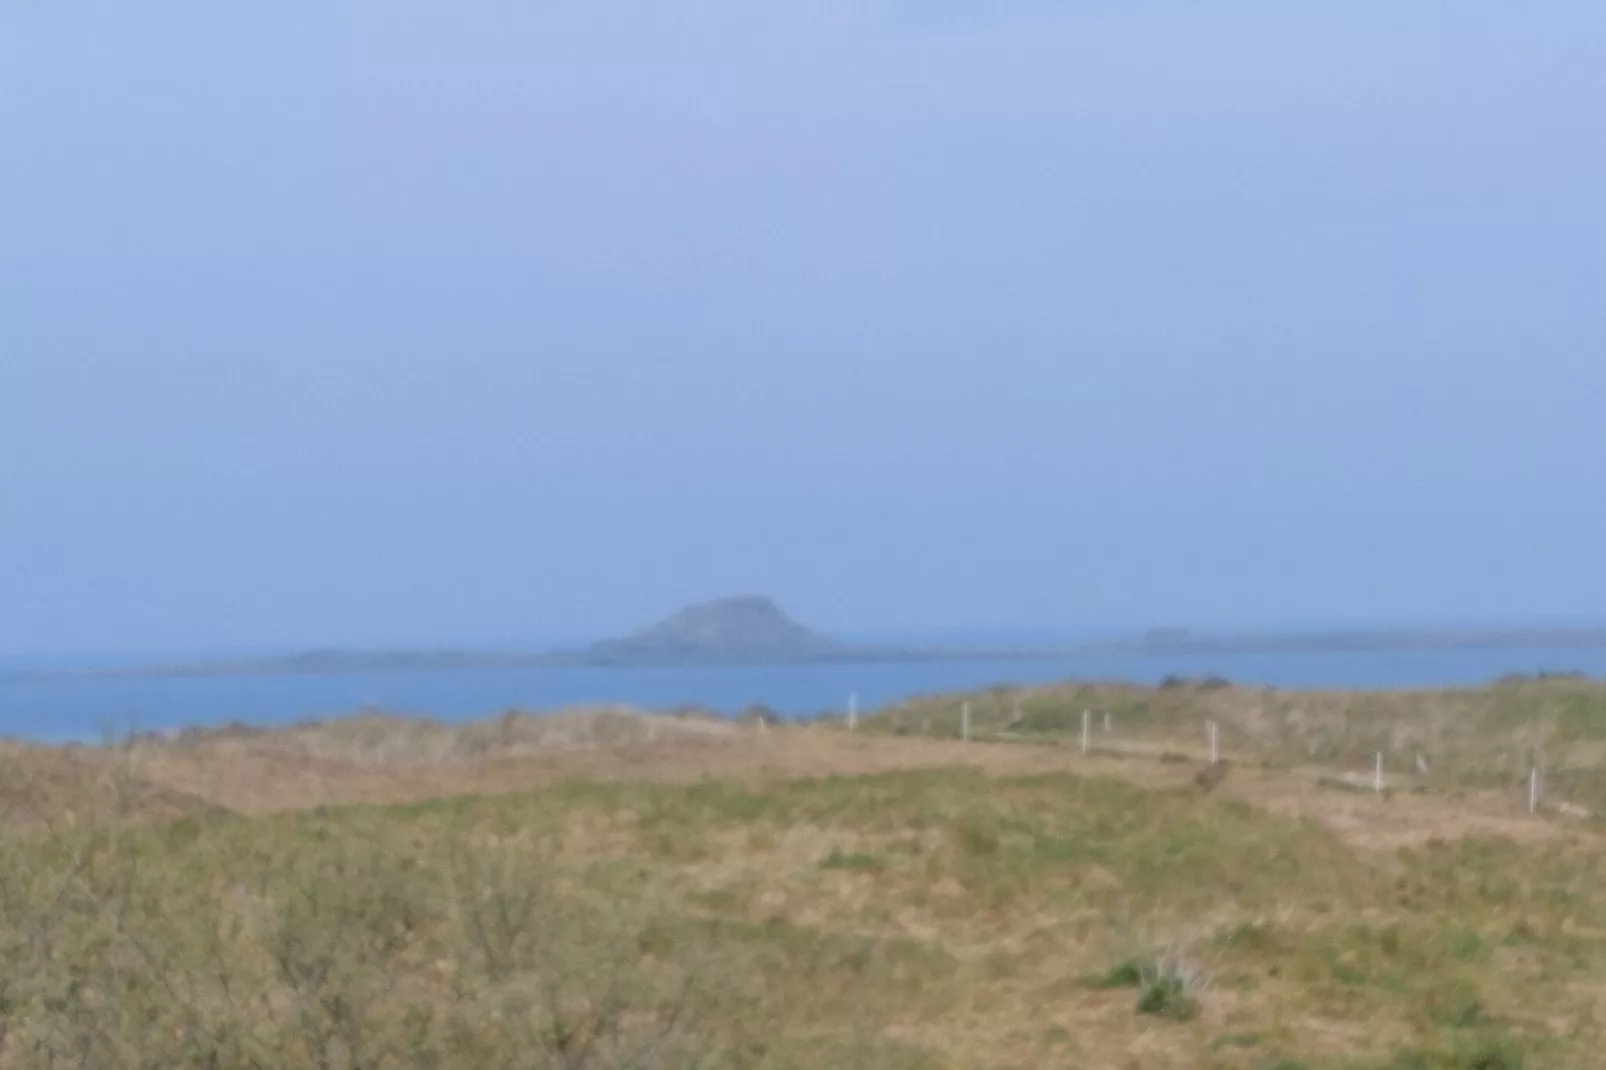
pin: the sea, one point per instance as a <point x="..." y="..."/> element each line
<point x="92" y="708"/>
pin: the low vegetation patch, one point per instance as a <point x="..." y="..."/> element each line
<point x="1167" y="996"/>
<point x="1479" y="738"/>
<point x="932" y="917"/>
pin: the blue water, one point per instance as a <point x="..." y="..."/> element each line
<point x="63" y="709"/>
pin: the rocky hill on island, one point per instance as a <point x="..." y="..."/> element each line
<point x="745" y="629"/>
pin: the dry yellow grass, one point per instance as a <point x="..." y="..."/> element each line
<point x="886" y="898"/>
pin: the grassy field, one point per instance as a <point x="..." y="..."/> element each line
<point x="615" y="891"/>
<point x="1474" y="738"/>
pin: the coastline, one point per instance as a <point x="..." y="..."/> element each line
<point x="359" y="662"/>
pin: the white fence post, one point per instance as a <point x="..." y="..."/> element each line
<point x="1533" y="790"/>
<point x="964" y="722"/>
<point x="1214" y="731"/>
<point x="1106" y="724"/>
<point x="1377" y="775"/>
<point x="1087" y="717"/>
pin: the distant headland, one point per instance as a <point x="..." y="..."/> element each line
<point x="741" y="630"/>
<point x="751" y="630"/>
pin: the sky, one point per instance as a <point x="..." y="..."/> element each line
<point x="383" y="322"/>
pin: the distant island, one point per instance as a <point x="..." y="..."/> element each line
<point x="742" y="630"/>
<point x="749" y="629"/>
<point x="1183" y="641"/>
<point x="754" y="630"/>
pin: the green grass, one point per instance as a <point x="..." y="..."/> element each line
<point x="1128" y="973"/>
<point x="932" y="918"/>
<point x="1166" y="997"/>
<point x="1484" y="738"/>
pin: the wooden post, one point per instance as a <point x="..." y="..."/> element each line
<point x="853" y="712"/>
<point x="964" y="722"/>
<point x="1087" y="716"/>
<point x="1533" y="790"/>
<point x="1377" y="775"/>
<point x="1106" y="724"/>
<point x="1215" y="742"/>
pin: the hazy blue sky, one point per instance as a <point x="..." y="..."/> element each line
<point x="390" y="321"/>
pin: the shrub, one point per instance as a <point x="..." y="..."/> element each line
<point x="1167" y="997"/>
<point x="1127" y="973"/>
<point x="1171" y="988"/>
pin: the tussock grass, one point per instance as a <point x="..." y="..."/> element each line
<point x="69" y="784"/>
<point x="917" y="919"/>
<point x="929" y="917"/>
